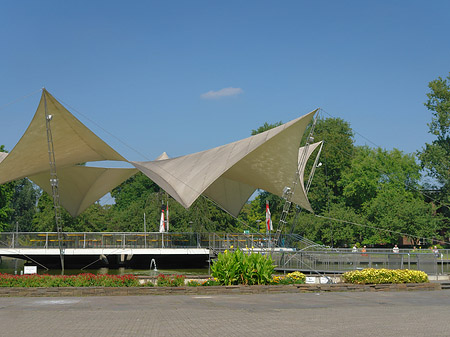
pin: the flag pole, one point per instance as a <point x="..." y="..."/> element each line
<point x="145" y="233"/>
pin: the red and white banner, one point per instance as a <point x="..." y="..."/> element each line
<point x="269" y="226"/>
<point x="167" y="217"/>
<point x="162" y="227"/>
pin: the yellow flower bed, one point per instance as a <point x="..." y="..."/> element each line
<point x="291" y="278"/>
<point x="379" y="276"/>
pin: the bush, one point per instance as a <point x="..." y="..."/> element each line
<point x="170" y="280"/>
<point x="193" y="283"/>
<point x="81" y="280"/>
<point x="147" y="284"/>
<point x="211" y="282"/>
<point x="291" y="278"/>
<point x="379" y="276"/>
<point x="238" y="268"/>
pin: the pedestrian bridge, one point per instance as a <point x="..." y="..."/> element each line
<point x="115" y="249"/>
<point x="195" y="250"/>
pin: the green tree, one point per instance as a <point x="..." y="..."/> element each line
<point x="23" y="202"/>
<point x="266" y="126"/>
<point x="373" y="170"/>
<point x="381" y="186"/>
<point x="6" y="194"/>
<point x="435" y="157"/>
<point x="330" y="232"/>
<point x="44" y="219"/>
<point x="397" y="211"/>
<point x="336" y="158"/>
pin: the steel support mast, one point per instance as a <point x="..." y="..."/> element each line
<point x="288" y="191"/>
<point x="54" y="181"/>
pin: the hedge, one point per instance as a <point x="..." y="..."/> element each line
<point x="81" y="280"/>
<point x="379" y="276"/>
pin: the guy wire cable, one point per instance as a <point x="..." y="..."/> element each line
<point x="378" y="228"/>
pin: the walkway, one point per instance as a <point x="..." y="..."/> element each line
<point x="417" y="313"/>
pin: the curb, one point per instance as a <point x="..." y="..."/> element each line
<point x="211" y="290"/>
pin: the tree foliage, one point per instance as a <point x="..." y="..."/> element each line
<point x="435" y="157"/>
<point x="6" y="194"/>
<point x="266" y="126"/>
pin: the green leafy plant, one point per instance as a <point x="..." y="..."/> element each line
<point x="193" y="283"/>
<point x="379" y="276"/>
<point x="238" y="268"/>
<point x="148" y="284"/>
<point x="291" y="278"/>
<point x="211" y="282"/>
<point x="81" y="280"/>
<point x="170" y="280"/>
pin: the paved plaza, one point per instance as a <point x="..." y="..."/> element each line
<point x="414" y="313"/>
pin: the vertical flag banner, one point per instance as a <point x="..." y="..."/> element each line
<point x="161" y="222"/>
<point x="269" y="226"/>
<point x="167" y="216"/>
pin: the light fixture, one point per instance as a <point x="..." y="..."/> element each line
<point x="286" y="190"/>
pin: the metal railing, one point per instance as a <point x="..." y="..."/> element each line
<point x="104" y="240"/>
<point x="215" y="241"/>
<point x="293" y="251"/>
<point x="338" y="261"/>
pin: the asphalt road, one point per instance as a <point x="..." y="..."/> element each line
<point x="414" y="313"/>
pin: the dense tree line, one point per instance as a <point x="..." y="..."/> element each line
<point x="359" y="194"/>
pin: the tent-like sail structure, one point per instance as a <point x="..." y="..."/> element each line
<point x="232" y="194"/>
<point x="81" y="186"/>
<point x="73" y="142"/>
<point x="229" y="174"/>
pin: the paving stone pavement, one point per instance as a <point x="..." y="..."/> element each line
<point x="405" y="313"/>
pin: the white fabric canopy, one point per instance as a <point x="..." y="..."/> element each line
<point x="229" y="174"/>
<point x="73" y="143"/>
<point x="162" y="156"/>
<point x="232" y="194"/>
<point x="81" y="186"/>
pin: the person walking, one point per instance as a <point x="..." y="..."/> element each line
<point x="363" y="251"/>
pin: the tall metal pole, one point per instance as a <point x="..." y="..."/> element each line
<point x="145" y="233"/>
<point x="288" y="191"/>
<point x="308" y="185"/>
<point x="54" y="181"/>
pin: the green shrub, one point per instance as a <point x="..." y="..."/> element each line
<point x="147" y="284"/>
<point x="291" y="278"/>
<point x="81" y="280"/>
<point x="239" y="268"/>
<point x="379" y="276"/>
<point x="211" y="282"/>
<point x="170" y="280"/>
<point x="193" y="283"/>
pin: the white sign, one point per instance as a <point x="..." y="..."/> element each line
<point x="30" y="269"/>
<point x="323" y="280"/>
<point x="310" y="279"/>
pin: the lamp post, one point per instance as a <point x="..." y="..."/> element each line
<point x="192" y="231"/>
<point x="258" y="222"/>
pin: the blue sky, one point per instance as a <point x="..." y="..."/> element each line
<point x="184" y="76"/>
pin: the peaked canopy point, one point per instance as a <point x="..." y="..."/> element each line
<point x="227" y="174"/>
<point x="73" y="143"/>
